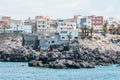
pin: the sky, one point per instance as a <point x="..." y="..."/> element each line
<point x="21" y="9"/>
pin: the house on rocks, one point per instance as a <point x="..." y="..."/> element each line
<point x="53" y="32"/>
<point x="67" y="27"/>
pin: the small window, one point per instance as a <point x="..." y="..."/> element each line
<point x="52" y="41"/>
<point x="63" y="37"/>
<point x="47" y="36"/>
<point x="61" y="24"/>
<point x="63" y="32"/>
<point x="76" y="37"/>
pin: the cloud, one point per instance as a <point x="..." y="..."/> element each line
<point x="57" y="8"/>
<point x="107" y="12"/>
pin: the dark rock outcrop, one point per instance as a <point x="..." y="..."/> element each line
<point x="76" y="58"/>
<point x="60" y="57"/>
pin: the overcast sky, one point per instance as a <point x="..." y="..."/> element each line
<point x="21" y="9"/>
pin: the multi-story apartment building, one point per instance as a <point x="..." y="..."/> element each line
<point x="113" y="25"/>
<point x="53" y="26"/>
<point x="67" y="27"/>
<point x="97" y="22"/>
<point x="84" y="21"/>
<point x="68" y="24"/>
<point x="5" y="22"/>
<point x="20" y="26"/>
<point x="42" y="23"/>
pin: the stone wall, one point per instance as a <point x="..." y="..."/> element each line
<point x="30" y="40"/>
<point x="5" y="36"/>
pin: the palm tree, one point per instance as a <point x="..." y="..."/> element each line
<point x="69" y="37"/>
<point x="4" y="30"/>
<point x="91" y="31"/>
<point x="105" y="28"/>
<point x="82" y="29"/>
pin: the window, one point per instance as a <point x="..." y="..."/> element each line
<point x="76" y="37"/>
<point x="52" y="41"/>
<point x="100" y="19"/>
<point x="64" y="32"/>
<point x="63" y="37"/>
<point x="93" y="22"/>
<point x="43" y="22"/>
<point x="61" y="24"/>
<point x="47" y="36"/>
<point x="43" y="26"/>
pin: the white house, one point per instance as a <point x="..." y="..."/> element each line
<point x="64" y="34"/>
<point x="84" y="21"/>
<point x="67" y="27"/>
<point x="20" y="26"/>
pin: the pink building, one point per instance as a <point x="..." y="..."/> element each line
<point x="96" y="20"/>
<point x="5" y="21"/>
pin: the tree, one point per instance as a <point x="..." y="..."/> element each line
<point x="4" y="30"/>
<point x="105" y="28"/>
<point x="91" y="31"/>
<point x="82" y="29"/>
<point x="69" y="37"/>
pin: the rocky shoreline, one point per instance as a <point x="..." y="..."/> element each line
<point x="60" y="57"/>
<point x="75" y="58"/>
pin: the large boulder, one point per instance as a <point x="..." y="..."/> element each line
<point x="35" y="63"/>
<point x="71" y="64"/>
<point x="32" y="63"/>
<point x="86" y="65"/>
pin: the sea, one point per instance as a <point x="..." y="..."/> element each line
<point x="21" y="71"/>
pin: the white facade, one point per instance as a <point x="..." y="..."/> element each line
<point x="18" y="27"/>
<point x="64" y="34"/>
<point x="21" y="27"/>
<point x="67" y="27"/>
<point x="27" y="28"/>
<point x="113" y="21"/>
<point x="51" y="29"/>
<point x="84" y="21"/>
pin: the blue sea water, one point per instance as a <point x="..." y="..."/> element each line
<point x="21" y="71"/>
